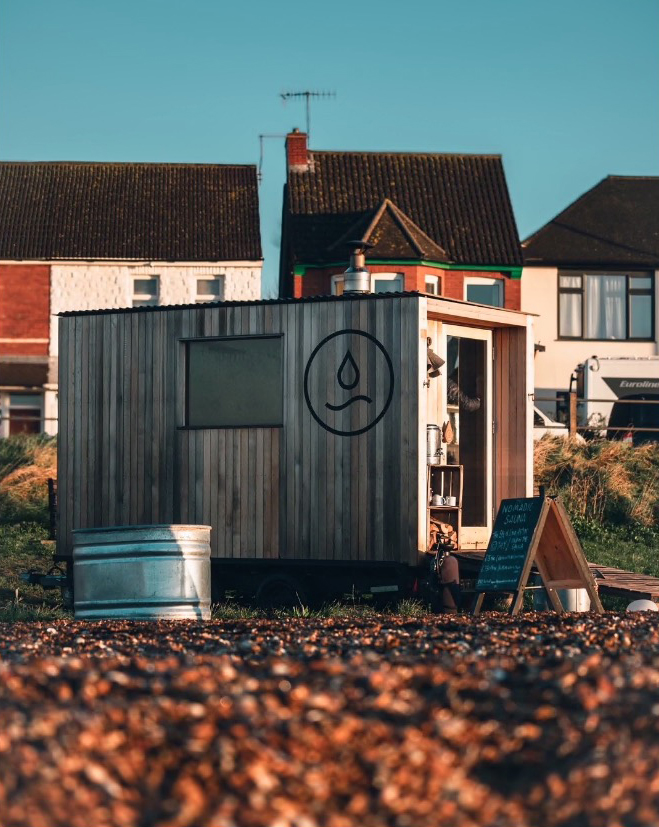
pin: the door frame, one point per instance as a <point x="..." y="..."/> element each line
<point x="475" y="536"/>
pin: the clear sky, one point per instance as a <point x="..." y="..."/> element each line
<point x="566" y="90"/>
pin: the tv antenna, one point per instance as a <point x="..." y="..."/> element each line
<point x="285" y="96"/>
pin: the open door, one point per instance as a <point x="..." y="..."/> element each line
<point x="467" y="400"/>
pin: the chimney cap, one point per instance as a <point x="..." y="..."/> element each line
<point x="358" y="244"/>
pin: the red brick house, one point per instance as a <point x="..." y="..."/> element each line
<point x="437" y="223"/>
<point x="25" y="363"/>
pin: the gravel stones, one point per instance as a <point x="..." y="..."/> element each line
<point x="302" y="722"/>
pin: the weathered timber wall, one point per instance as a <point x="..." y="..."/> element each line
<point x="300" y="491"/>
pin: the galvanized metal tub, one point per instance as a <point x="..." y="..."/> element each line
<point x="572" y="600"/>
<point x="143" y="572"/>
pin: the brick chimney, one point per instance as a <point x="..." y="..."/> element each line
<point x="297" y="153"/>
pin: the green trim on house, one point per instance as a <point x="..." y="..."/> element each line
<point x="514" y="272"/>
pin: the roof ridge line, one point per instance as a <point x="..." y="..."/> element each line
<point x="403" y="152"/>
<point x="563" y="211"/>
<point x="129" y="164"/>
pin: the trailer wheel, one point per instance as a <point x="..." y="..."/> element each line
<point x="279" y="591"/>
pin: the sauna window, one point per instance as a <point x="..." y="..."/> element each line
<point x="234" y="382"/>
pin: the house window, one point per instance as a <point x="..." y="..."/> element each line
<point x="609" y="306"/>
<point x="210" y="289"/>
<point x="337" y="285"/>
<point x="146" y="291"/>
<point x="387" y="283"/>
<point x="25" y="413"/>
<point x="380" y="283"/>
<point x="484" y="291"/>
<point x="432" y="285"/>
<point x="234" y="382"/>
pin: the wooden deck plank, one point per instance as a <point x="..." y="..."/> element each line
<point x="609" y="579"/>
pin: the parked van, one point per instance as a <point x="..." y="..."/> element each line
<point x="617" y="395"/>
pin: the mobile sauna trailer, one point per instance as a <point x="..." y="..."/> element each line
<point x="296" y="429"/>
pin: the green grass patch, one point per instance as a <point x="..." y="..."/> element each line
<point x="21" y="550"/>
<point x="636" y="551"/>
<point x="230" y="610"/>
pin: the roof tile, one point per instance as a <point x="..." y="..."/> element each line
<point x="459" y="202"/>
<point x="160" y="212"/>
<point x="615" y="224"/>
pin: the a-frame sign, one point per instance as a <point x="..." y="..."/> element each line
<point x="534" y="531"/>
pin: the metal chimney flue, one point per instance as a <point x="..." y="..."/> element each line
<point x="357" y="278"/>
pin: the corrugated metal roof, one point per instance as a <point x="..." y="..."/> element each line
<point x="253" y="302"/>
<point x="136" y="211"/>
<point x="346" y="297"/>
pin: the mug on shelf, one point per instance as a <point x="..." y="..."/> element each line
<point x="437" y="500"/>
<point x="451" y="500"/>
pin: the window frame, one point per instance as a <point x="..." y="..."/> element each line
<point x="437" y="280"/>
<point x="199" y="297"/>
<point x="185" y="411"/>
<point x="630" y="291"/>
<point x="140" y="296"/>
<point x="485" y="281"/>
<point x="388" y="276"/>
<point x="336" y="279"/>
<point x="19" y="411"/>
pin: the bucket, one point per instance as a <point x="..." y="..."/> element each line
<point x="572" y="600"/>
<point x="433" y="444"/>
<point x="144" y="572"/>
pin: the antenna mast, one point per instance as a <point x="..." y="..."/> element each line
<point x="307" y="95"/>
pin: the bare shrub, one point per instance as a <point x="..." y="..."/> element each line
<point x="602" y="481"/>
<point x="25" y="468"/>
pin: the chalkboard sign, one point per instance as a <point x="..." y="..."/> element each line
<point x="534" y="531"/>
<point x="509" y="545"/>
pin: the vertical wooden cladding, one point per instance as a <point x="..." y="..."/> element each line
<point x="123" y="458"/>
<point x="510" y="404"/>
<point x="347" y="479"/>
<point x="297" y="492"/>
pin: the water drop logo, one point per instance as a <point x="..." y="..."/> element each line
<point x="348" y="382"/>
<point x="348" y="378"/>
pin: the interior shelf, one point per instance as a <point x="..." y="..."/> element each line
<point x="445" y="481"/>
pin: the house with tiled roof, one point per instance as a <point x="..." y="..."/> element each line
<point x="83" y="236"/>
<point x="436" y="223"/>
<point x="590" y="275"/>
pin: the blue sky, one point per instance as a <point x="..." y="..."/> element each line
<point x="566" y="91"/>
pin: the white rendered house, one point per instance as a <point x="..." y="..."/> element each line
<point x="92" y="236"/>
<point x="590" y="275"/>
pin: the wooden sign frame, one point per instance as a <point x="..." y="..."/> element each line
<point x="556" y="551"/>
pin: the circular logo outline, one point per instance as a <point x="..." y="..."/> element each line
<point x="307" y="370"/>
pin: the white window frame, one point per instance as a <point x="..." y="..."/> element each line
<point x="486" y="282"/>
<point x="204" y="298"/>
<point x="434" y="281"/>
<point x="388" y="277"/>
<point x="145" y="299"/>
<point x="338" y="279"/>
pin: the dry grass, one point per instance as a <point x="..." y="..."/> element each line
<point x="26" y="464"/>
<point x="602" y="481"/>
